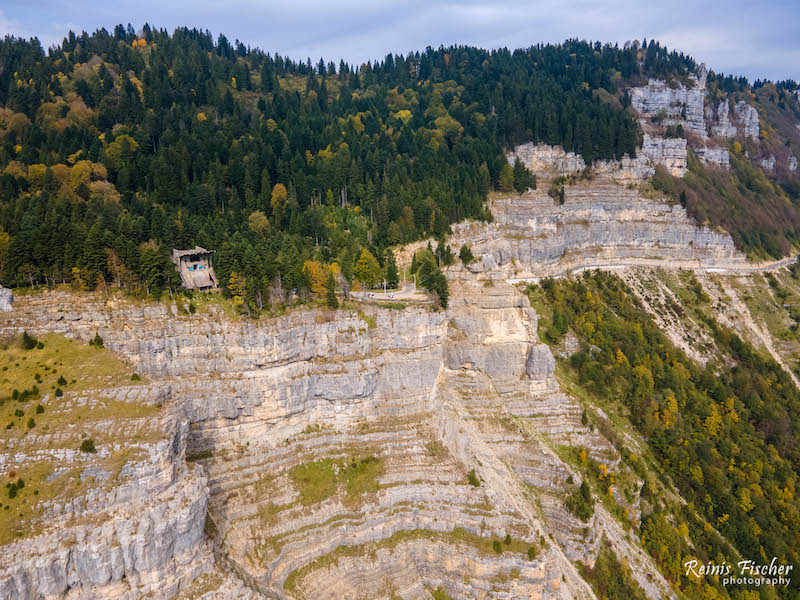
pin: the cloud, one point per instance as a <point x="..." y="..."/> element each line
<point x="10" y="26"/>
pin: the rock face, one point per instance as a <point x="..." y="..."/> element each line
<point x="599" y="224"/>
<point x="550" y="161"/>
<point x="744" y="121"/>
<point x="685" y="105"/>
<point x="670" y="152"/>
<point x="671" y="104"/>
<point x="6" y="298"/>
<point x="678" y="103"/>
<point x="792" y="163"/>
<point x="141" y="535"/>
<point x="547" y="160"/>
<point x="321" y="452"/>
<point x="748" y="118"/>
<point x="768" y="163"/>
<point x="423" y="397"/>
<point x="717" y="156"/>
<point x="723" y="126"/>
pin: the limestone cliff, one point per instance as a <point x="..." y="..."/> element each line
<point x="549" y="161"/>
<point x="744" y="120"/>
<point x="374" y="452"/>
<point x="659" y="104"/>
<point x="122" y="521"/>
<point x="599" y="224"/>
<point x="678" y="103"/>
<point x="400" y="410"/>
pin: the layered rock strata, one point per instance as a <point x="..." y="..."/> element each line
<point x="395" y="411"/>
<point x="743" y="122"/>
<point x="131" y="520"/>
<point x="715" y="156"/>
<point x="322" y="451"/>
<point x="599" y="225"/>
<point x="676" y="103"/>
<point x="550" y="161"/>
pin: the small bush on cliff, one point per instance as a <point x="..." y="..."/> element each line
<point x="28" y="341"/>
<point x="473" y="478"/>
<point x="580" y="503"/>
<point x="88" y="446"/>
<point x="439" y="594"/>
<point x="610" y="578"/>
<point x="465" y="254"/>
<point x="330" y="292"/>
<point x="96" y="341"/>
<point x="434" y="281"/>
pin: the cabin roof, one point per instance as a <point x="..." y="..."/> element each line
<point x="195" y="250"/>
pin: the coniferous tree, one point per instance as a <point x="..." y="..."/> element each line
<point x="392" y="275"/>
<point x="330" y="291"/>
<point x="506" y="180"/>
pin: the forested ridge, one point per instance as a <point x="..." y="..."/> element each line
<point x="117" y="147"/>
<point x="724" y="434"/>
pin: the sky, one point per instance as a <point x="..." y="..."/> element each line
<point x="739" y="37"/>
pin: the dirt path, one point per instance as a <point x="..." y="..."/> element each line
<point x="740" y="269"/>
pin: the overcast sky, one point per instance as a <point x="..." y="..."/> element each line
<point x="756" y="39"/>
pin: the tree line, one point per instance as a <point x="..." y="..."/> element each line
<point x="117" y="147"/>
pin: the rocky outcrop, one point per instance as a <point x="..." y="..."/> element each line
<point x="135" y="524"/>
<point x="627" y="170"/>
<point x="668" y="104"/>
<point x="747" y="116"/>
<point x="743" y="122"/>
<point x="792" y="164"/>
<point x="153" y="547"/>
<point x="670" y="152"/>
<point x="544" y="160"/>
<point x="676" y="103"/>
<point x="723" y="127"/>
<point x="768" y="163"/>
<point x="551" y="161"/>
<point x="6" y="298"/>
<point x="599" y="224"/>
<point x="716" y="156"/>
